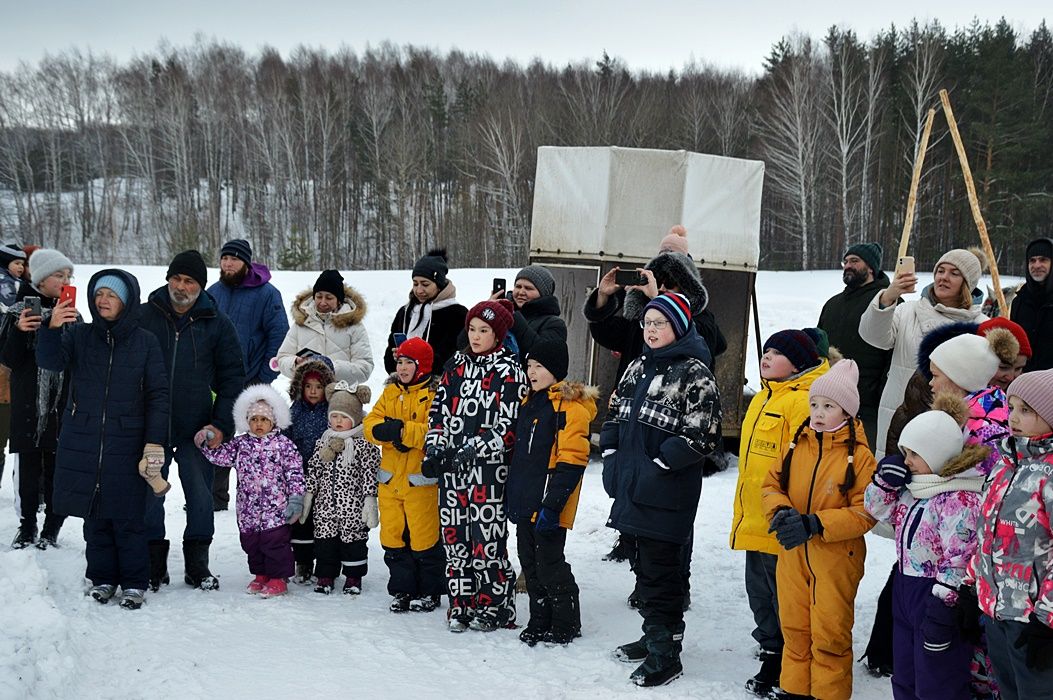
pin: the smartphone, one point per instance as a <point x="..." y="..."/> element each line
<point x="905" y="265"/>
<point x="69" y="293"/>
<point x="399" y="338"/>
<point x="628" y="278"/>
<point x="33" y="304"/>
<point x="500" y="285"/>
<point x="306" y="353"/>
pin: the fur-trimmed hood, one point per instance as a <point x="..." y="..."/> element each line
<point x="681" y="271"/>
<point x="322" y="365"/>
<point x="350" y="313"/>
<point x="260" y="392"/>
<point x="575" y="391"/>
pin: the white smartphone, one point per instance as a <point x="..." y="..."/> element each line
<point x="905" y="265"/>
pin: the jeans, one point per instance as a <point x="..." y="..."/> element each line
<point x="195" y="476"/>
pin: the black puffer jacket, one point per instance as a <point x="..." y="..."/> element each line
<point x="443" y="333"/>
<point x="1033" y="310"/>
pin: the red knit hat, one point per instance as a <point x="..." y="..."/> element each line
<point x="1018" y="332"/>
<point x="418" y="350"/>
<point x="496" y="314"/>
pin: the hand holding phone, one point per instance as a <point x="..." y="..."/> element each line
<point x="630" y="278"/>
<point x="500" y="285"/>
<point x="69" y="293"/>
<point x="33" y="306"/>
<point x="904" y="267"/>
<point x="399" y="338"/>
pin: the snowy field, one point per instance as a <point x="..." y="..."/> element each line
<point x="57" y="643"/>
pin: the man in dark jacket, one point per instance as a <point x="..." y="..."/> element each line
<point x="254" y="305"/>
<point x="1033" y="306"/>
<point x="202" y="355"/>
<point x="863" y="279"/>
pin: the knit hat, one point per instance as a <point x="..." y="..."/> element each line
<point x="496" y="314"/>
<point x="347" y="400"/>
<point x="935" y="436"/>
<point x="115" y="283"/>
<point x="1040" y="247"/>
<point x="540" y="277"/>
<point x="821" y="340"/>
<point x="870" y="253"/>
<point x="797" y="346"/>
<point x="553" y="356"/>
<point x="675" y="241"/>
<point x="46" y="262"/>
<point x="967" y="360"/>
<point x="433" y="267"/>
<point x="1036" y="390"/>
<point x="418" y="350"/>
<point x="676" y="308"/>
<point x="260" y="408"/>
<point x="9" y="252"/>
<point x="239" y="248"/>
<point x="1015" y="328"/>
<point x="189" y="263"/>
<point x="968" y="262"/>
<point x="841" y="385"/>
<point x="330" y="281"/>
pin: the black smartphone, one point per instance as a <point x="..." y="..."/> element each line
<point x="399" y="339"/>
<point x="500" y="285"/>
<point x="33" y="304"/>
<point x="629" y="278"/>
<point x="306" y="352"/>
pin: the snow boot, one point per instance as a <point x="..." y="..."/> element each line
<point x="132" y="598"/>
<point x="767" y="679"/>
<point x="103" y="592"/>
<point x="425" y="603"/>
<point x="195" y="559"/>
<point x="158" y="564"/>
<point x="400" y="603"/>
<point x="457" y="625"/>
<point x="560" y="638"/>
<point x="304" y="573"/>
<point x="780" y="694"/>
<point x="274" y="588"/>
<point x="662" y="665"/>
<point x="256" y="585"/>
<point x="324" y="585"/>
<point x="47" y="541"/>
<point x="532" y="635"/>
<point x="565" y="617"/>
<point x="631" y="653"/>
<point x="656" y="672"/>
<point x="50" y="532"/>
<point x="25" y="536"/>
<point x="352" y="585"/>
<point x="481" y="623"/>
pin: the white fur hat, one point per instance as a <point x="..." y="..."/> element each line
<point x="253" y="394"/>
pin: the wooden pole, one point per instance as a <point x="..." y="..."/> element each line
<point x="974" y="204"/>
<point x="912" y="198"/>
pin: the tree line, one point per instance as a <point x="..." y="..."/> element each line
<point x="365" y="160"/>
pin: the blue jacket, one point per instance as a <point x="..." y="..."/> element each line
<point x="202" y="356"/>
<point x="118" y="402"/>
<point x="255" y="308"/>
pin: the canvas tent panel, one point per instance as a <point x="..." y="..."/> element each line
<point x="573" y="188"/>
<point x="723" y="221"/>
<point x="645" y="198"/>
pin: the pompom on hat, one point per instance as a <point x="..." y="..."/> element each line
<point x="675" y="241"/>
<point x="348" y="400"/>
<point x="1015" y="328"/>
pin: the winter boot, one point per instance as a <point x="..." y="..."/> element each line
<point x="532" y="635"/>
<point x="158" y="564"/>
<point x="274" y="588"/>
<point x="425" y="603"/>
<point x="25" y="536"/>
<point x="256" y="585"/>
<point x="195" y="558"/>
<point x="457" y="625"/>
<point x="352" y="585"/>
<point x="400" y="603"/>
<point x="304" y="573"/>
<point x="483" y="623"/>
<point x="540" y="619"/>
<point x="103" y="592"/>
<point x="767" y="679"/>
<point x="632" y="653"/>
<point x="780" y="694"/>
<point x="50" y="532"/>
<point x="324" y="585"/>
<point x="132" y="598"/>
<point x="655" y="672"/>
<point x="566" y="618"/>
<point x="47" y="541"/>
<point x="662" y="665"/>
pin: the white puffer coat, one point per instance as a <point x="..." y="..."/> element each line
<point x="340" y="336"/>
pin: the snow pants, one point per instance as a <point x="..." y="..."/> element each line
<point x="117" y="553"/>
<point x="549" y="580"/>
<point x="920" y="674"/>
<point x="32" y="465"/>
<point x="817" y="585"/>
<point x="269" y="552"/>
<point x="1015" y="680"/>
<point x="409" y="534"/>
<point x="479" y="578"/>
<point x="302" y="537"/>
<point x="762" y="592"/>
<point x="660" y="585"/>
<point x="333" y="554"/>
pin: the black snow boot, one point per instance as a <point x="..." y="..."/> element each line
<point x="632" y="653"/>
<point x="767" y="679"/>
<point x="566" y="618"/>
<point x="662" y="665"/>
<point x="26" y="536"/>
<point x="195" y="558"/>
<point x="158" y="564"/>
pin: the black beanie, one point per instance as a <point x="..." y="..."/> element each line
<point x="9" y="252"/>
<point x="553" y="356"/>
<point x="433" y="267"/>
<point x="239" y="248"/>
<point x="191" y="264"/>
<point x="330" y="281"/>
<point x="1040" y="247"/>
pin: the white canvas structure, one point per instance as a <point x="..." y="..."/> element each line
<point x="610" y="203"/>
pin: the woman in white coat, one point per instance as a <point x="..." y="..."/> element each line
<point x="327" y="320"/>
<point x="889" y="325"/>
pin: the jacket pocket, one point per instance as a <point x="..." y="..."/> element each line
<point x="384" y="476"/>
<point x="610" y="474"/>
<point x="767" y="436"/>
<point x="419" y="479"/>
<point x="668" y="490"/>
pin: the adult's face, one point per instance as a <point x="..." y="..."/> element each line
<point x="53" y="283"/>
<point x="325" y="302"/>
<point x="183" y="291"/>
<point x="424" y="290"/>
<point x="1007" y="373"/>
<point x="523" y="292"/>
<point x="108" y="304"/>
<point x="855" y="273"/>
<point x="230" y="267"/>
<point x="1038" y="267"/>
<point x="947" y="284"/>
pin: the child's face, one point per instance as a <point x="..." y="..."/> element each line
<point x="1007" y="373"/>
<point x="941" y="382"/>
<point x="826" y="414"/>
<point x="915" y="463"/>
<point x="1024" y="422"/>
<point x="16" y="268"/>
<point x="775" y="366"/>
<point x="405" y="370"/>
<point x="313" y="391"/>
<point x="540" y="378"/>
<point x="260" y="425"/>
<point x="339" y="422"/>
<point x="657" y="330"/>
<point x="481" y="338"/>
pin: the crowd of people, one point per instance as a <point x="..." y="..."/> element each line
<point x="921" y="417"/>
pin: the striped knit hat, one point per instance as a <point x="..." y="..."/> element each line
<point x="676" y="308"/>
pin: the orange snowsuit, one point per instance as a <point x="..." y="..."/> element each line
<point x="817" y="581"/>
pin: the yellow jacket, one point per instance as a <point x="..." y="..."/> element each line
<point x="774" y="413"/>
<point x="410" y="405"/>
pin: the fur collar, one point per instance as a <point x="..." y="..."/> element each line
<point x="681" y="271"/>
<point x="432" y="382"/>
<point x="574" y="391"/>
<point x="260" y="392"/>
<point x="351" y="313"/>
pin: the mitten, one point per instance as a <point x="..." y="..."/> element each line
<point x="1039" y="642"/>
<point x="397" y="444"/>
<point x="388" y="431"/>
<point x="939" y="626"/>
<point x="201" y="437"/>
<point x="968" y="613"/>
<point x="150" y="467"/>
<point x="294" y="508"/>
<point x="794" y="531"/>
<point x="893" y="471"/>
<point x="308" y="499"/>
<point x="464" y="458"/>
<point x="547" y="520"/>
<point x="370" y="512"/>
<point x="435" y="463"/>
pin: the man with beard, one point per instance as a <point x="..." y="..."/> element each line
<point x="202" y="356"/>
<point x="254" y="305"/>
<point x="863" y="279"/>
<point x="1033" y="306"/>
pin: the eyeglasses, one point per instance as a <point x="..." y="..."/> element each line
<point x="62" y="275"/>
<point x="657" y="325"/>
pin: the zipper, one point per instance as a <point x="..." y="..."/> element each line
<point x="811" y="492"/>
<point x="753" y="430"/>
<point x="907" y="536"/>
<point x="530" y="442"/>
<point x="102" y="427"/>
<point x="998" y="516"/>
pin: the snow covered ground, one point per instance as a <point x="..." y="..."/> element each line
<point x="55" y="642"/>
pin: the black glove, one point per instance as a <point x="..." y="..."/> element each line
<point x="968" y="610"/>
<point x="436" y="462"/>
<point x="893" y="471"/>
<point x="464" y="458"/>
<point x="939" y="626"/>
<point x="1039" y="642"/>
<point x="397" y="444"/>
<point x="388" y="431"/>
<point x="794" y="529"/>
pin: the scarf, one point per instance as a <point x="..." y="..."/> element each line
<point x="417" y="323"/>
<point x="928" y="485"/>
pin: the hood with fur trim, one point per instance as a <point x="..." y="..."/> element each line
<point x="260" y="392"/>
<point x="576" y="391"/>
<point x="350" y="313"/>
<point x="681" y="271"/>
<point x="323" y="366"/>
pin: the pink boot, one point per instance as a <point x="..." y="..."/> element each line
<point x="274" y="587"/>
<point x="256" y="585"/>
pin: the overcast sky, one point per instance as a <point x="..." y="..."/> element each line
<point x="647" y="35"/>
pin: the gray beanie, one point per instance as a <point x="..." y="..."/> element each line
<point x="46" y="262"/>
<point x="540" y="277"/>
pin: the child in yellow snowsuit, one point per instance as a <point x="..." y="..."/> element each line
<point x="814" y="500"/>
<point x="409" y="501"/>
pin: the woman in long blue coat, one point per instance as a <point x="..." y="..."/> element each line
<point x="114" y="425"/>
